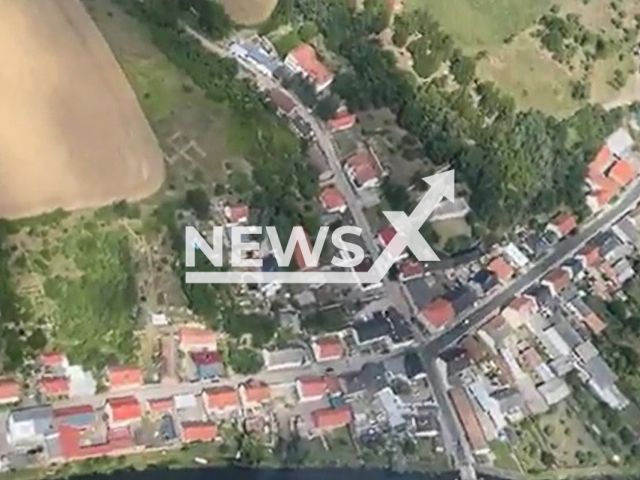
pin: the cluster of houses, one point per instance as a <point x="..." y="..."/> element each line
<point x="517" y="364"/>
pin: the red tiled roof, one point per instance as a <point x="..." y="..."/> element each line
<point x="530" y="357"/>
<point x="235" y="213"/>
<point x="410" y="268"/>
<point x="594" y="323"/>
<point x="602" y="160"/>
<point x="282" y="100"/>
<point x="332" y="199"/>
<point x="311" y="386"/>
<point x="194" y="336"/>
<point x="439" y="312"/>
<point x="386" y="234"/>
<point x="9" y="388"/>
<point x="565" y="223"/>
<point x="199" y="431"/>
<point x="328" y="418"/>
<point x="501" y="268"/>
<point x="299" y="257"/>
<point x="591" y="254"/>
<point x="623" y="172"/>
<point x="221" y="397"/>
<point x="306" y="57"/>
<point x="604" y="188"/>
<point x="157" y="405"/>
<point x="559" y="278"/>
<point x="342" y="121"/>
<point x="364" y="166"/>
<point x="495" y="323"/>
<point x="522" y="304"/>
<point x="328" y="347"/>
<point x="54" y="386"/>
<point x="124" y="376"/>
<point x="257" y="391"/>
<point x="51" y="359"/>
<point x="206" y="357"/>
<point x="124" y="408"/>
<point x="468" y="418"/>
<point x="120" y="440"/>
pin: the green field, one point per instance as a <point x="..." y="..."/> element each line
<point x="482" y="24"/>
<point x="523" y="67"/>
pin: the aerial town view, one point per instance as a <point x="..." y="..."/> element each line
<point x="485" y="152"/>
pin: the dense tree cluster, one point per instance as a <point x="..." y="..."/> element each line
<point x="519" y="164"/>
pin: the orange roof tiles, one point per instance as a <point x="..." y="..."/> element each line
<point x="501" y="268"/>
<point x="522" y="304"/>
<point x="332" y="199"/>
<point x="468" y="419"/>
<point x="221" y="398"/>
<point x="591" y="254"/>
<point x="439" y="312"/>
<point x="558" y="278"/>
<point x="342" y="121"/>
<point x="311" y="386"/>
<point x="299" y="257"/>
<point x="124" y="408"/>
<point x="306" y="57"/>
<point x="363" y="166"/>
<point x="199" y="431"/>
<point x="51" y="359"/>
<point x="594" y="323"/>
<point x="623" y="172"/>
<point x="282" y="100"/>
<point x="565" y="223"/>
<point x="257" y="391"/>
<point x="194" y="336"/>
<point x="602" y="160"/>
<point x="329" y="418"/>
<point x="9" y="389"/>
<point x="124" y="376"/>
<point x="328" y="347"/>
<point x="410" y="269"/>
<point x="236" y="213"/>
<point x="54" y="386"/>
<point x="158" y="405"/>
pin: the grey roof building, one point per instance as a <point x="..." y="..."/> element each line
<point x="627" y="231"/>
<point x="420" y="293"/>
<point x="568" y="333"/>
<point x="371" y="378"/>
<point x="461" y="298"/>
<point x="599" y="371"/>
<point x="30" y="425"/>
<point x="285" y="358"/>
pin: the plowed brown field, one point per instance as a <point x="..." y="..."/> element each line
<point x="72" y="134"/>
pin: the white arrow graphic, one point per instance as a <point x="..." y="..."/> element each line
<point x="407" y="235"/>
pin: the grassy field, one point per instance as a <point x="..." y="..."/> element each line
<point x="249" y="12"/>
<point x="482" y="24"/>
<point x="522" y="66"/>
<point x="192" y="131"/>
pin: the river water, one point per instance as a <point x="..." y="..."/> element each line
<point x="231" y="473"/>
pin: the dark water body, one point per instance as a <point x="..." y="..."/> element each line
<point x="232" y="473"/>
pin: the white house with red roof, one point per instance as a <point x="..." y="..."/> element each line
<point x="221" y="400"/>
<point x="327" y="348"/>
<point x="311" y="388"/>
<point x="237" y="214"/>
<point x="53" y="360"/>
<point x="364" y="169"/>
<point x="10" y="391"/>
<point x="123" y="411"/>
<point x="254" y="393"/>
<point x="304" y="60"/>
<point x="54" y="386"/>
<point x="123" y="377"/>
<point x="333" y="200"/>
<point x="562" y="224"/>
<point x="343" y="120"/>
<point x="385" y="235"/>
<point x="327" y="419"/>
<point x="196" y="338"/>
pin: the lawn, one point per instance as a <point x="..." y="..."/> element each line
<point x="340" y="451"/>
<point x="178" y="111"/>
<point x="522" y="66"/>
<point x="482" y="24"/>
<point x="447" y="229"/>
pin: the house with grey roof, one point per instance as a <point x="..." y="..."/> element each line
<point x="623" y="271"/>
<point x="571" y="337"/>
<point x="420" y="293"/>
<point x="30" y="426"/>
<point x="601" y="381"/>
<point x="554" y="391"/>
<point x="585" y="351"/>
<point x="627" y="230"/>
<point x="620" y="142"/>
<point x="285" y="358"/>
